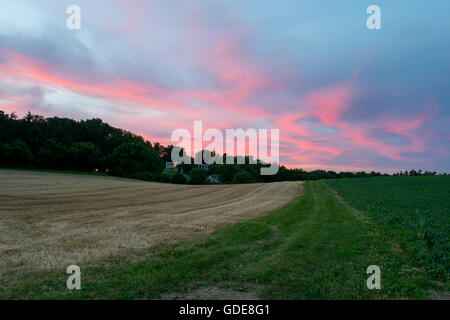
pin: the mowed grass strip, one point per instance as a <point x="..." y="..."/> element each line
<point x="313" y="248"/>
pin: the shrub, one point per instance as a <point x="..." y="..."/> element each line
<point x="53" y="155"/>
<point x="129" y="158"/>
<point x="198" y="176"/>
<point x="15" y="154"/>
<point x="146" y="175"/>
<point x="242" y="177"/>
<point x="179" y="178"/>
<point x="86" y="156"/>
<point x="165" y="177"/>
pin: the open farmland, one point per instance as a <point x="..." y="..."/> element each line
<point x="315" y="247"/>
<point x="413" y="210"/>
<point x="51" y="220"/>
<point x="128" y="238"/>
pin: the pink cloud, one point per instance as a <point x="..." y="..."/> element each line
<point x="288" y="123"/>
<point x="302" y="145"/>
<point x="330" y="103"/>
<point x="29" y="68"/>
<point x="362" y="138"/>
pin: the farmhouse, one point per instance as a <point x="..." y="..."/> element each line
<point x="213" y="178"/>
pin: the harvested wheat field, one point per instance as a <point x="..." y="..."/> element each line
<point x="52" y="220"/>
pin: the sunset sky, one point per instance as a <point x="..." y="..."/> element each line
<point x="344" y="97"/>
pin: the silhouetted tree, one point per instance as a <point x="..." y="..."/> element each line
<point x="135" y="157"/>
<point x="198" y="176"/>
<point x="15" y="154"/>
<point x="242" y="177"/>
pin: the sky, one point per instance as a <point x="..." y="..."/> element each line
<point x="344" y="97"/>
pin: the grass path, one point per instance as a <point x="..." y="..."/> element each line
<point x="313" y="248"/>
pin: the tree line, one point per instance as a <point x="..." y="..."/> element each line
<point x="93" y="145"/>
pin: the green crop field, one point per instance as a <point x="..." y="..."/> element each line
<point x="413" y="210"/>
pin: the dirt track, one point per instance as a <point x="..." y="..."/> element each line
<point x="50" y="220"/>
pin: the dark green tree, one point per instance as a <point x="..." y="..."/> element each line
<point x="198" y="176"/>
<point x="134" y="157"/>
<point x="243" y="177"/>
<point x="53" y="155"/>
<point x="15" y="154"/>
<point x="179" y="178"/>
<point x="165" y="177"/>
<point x="85" y="156"/>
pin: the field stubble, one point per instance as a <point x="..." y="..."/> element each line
<point x="51" y="220"/>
